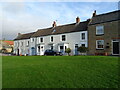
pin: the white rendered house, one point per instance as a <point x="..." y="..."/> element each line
<point x="57" y="38"/>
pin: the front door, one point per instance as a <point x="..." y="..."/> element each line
<point x="33" y="51"/>
<point x="116" y="48"/>
<point x="42" y="50"/>
<point x="76" y="49"/>
<point x="61" y="49"/>
<point x="17" y="52"/>
<point x="51" y="47"/>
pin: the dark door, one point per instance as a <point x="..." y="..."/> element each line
<point x="17" y="52"/>
<point x="115" y="47"/>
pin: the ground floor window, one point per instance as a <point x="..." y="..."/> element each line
<point x="99" y="44"/>
<point x="83" y="45"/>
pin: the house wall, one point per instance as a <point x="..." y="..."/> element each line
<point x="23" y="49"/>
<point x="71" y="39"/>
<point x="110" y="34"/>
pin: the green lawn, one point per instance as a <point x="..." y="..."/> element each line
<point x="60" y="72"/>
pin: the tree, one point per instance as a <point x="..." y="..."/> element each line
<point x="68" y="50"/>
<point x="82" y="49"/>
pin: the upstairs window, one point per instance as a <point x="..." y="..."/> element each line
<point x="41" y="39"/>
<point x="99" y="30"/>
<point x="18" y="44"/>
<point x="21" y="43"/>
<point x="51" y="39"/>
<point x="99" y="44"/>
<point x="83" y="36"/>
<point x="32" y="39"/>
<point x="63" y="38"/>
<point x="27" y="43"/>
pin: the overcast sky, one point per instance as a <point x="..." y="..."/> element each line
<point x="25" y="17"/>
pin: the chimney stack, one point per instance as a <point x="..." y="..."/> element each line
<point x="77" y="20"/>
<point x="94" y="14"/>
<point x="19" y="34"/>
<point x="54" y="24"/>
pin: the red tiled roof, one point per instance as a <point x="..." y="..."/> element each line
<point x="9" y="42"/>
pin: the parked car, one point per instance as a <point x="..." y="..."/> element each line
<point x="52" y="52"/>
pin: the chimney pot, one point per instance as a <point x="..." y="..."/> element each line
<point x="54" y="24"/>
<point x="94" y="14"/>
<point x="77" y="20"/>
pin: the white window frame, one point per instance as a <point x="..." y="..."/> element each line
<point x="97" y="44"/>
<point x="51" y="39"/>
<point x="97" y="28"/>
<point x="81" y="36"/>
<point x="28" y="43"/>
<point x="32" y="39"/>
<point x="61" y="38"/>
<point x="42" y="38"/>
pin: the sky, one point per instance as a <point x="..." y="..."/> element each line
<point x="25" y="17"/>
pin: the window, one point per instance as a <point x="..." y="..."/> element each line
<point x="21" y="43"/>
<point x="41" y="39"/>
<point x="83" y="36"/>
<point x="100" y="44"/>
<point x="18" y="44"/>
<point x="54" y="31"/>
<point x="63" y="37"/>
<point x="32" y="39"/>
<point x="27" y="43"/>
<point x="61" y="47"/>
<point x="83" y="45"/>
<point x="99" y="30"/>
<point x="51" y="38"/>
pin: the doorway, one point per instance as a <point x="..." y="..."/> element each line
<point x="116" y="48"/>
<point x="76" y="49"/>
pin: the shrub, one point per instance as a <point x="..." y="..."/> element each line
<point x="82" y="49"/>
<point x="68" y="50"/>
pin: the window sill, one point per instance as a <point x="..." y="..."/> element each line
<point x="99" y="48"/>
<point x="99" y="34"/>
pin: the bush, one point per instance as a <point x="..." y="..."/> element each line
<point x="82" y="49"/>
<point x="68" y="50"/>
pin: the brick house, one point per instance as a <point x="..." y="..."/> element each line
<point x="103" y="34"/>
<point x="6" y="46"/>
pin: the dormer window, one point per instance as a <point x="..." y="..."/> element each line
<point x="54" y="31"/>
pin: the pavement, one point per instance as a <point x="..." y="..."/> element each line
<point x="1" y="54"/>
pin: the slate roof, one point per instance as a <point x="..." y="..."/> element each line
<point x="107" y="17"/>
<point x="24" y="36"/>
<point x="82" y="26"/>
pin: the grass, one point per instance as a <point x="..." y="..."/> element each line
<point x="60" y="72"/>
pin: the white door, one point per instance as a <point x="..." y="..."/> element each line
<point x="41" y="49"/>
